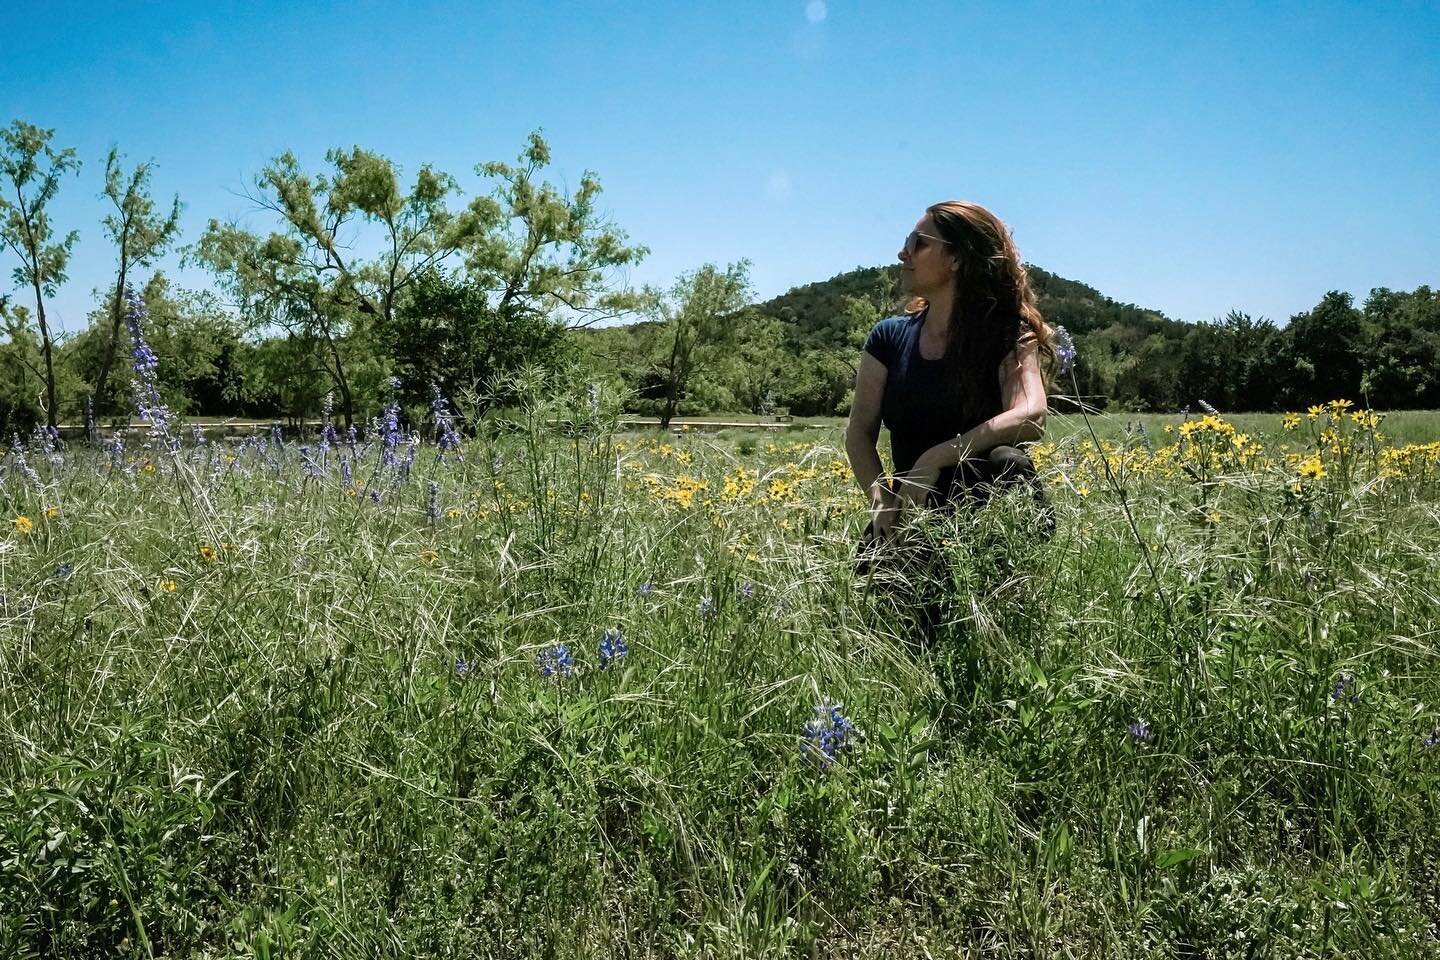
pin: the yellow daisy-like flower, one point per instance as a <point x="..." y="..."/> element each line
<point x="52" y="512"/>
<point x="428" y="556"/>
<point x="1312" y="469"/>
<point x="207" y="553"/>
<point x="1083" y="491"/>
<point x="1290" y="421"/>
<point x="148" y="468"/>
<point x="167" y="585"/>
<point x="1338" y="407"/>
<point x="1314" y="412"/>
<point x="453" y="513"/>
<point x="24" y="524"/>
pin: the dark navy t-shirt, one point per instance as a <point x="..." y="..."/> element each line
<point x="923" y="403"/>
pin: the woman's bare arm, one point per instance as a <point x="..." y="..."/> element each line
<point x="862" y="431"/>
<point x="1022" y="419"/>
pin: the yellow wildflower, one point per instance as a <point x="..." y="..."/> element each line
<point x="24" y="524"/>
<point x="207" y="553"/>
<point x="428" y="556"/>
<point x="1290" y="421"/>
<point x="167" y="585"/>
<point x="1312" y="469"/>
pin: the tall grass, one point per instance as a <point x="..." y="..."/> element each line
<point x="249" y="709"/>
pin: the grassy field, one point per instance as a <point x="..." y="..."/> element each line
<point x="1401" y="426"/>
<point x="623" y="694"/>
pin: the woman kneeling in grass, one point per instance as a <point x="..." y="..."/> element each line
<point x="957" y="378"/>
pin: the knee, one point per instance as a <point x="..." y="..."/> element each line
<point x="1007" y="462"/>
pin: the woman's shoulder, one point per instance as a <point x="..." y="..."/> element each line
<point x="887" y="337"/>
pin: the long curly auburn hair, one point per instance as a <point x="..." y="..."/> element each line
<point x="992" y="299"/>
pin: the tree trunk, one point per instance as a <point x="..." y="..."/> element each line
<point x="50" y="412"/>
<point x="116" y="313"/>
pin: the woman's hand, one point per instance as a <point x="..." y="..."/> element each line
<point x="884" y="510"/>
<point x="917" y="485"/>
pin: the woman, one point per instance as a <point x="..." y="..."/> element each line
<point x="958" y="378"/>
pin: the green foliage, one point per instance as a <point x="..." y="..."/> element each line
<point x="446" y="331"/>
<point x="140" y="236"/>
<point x="695" y="329"/>
<point x="31" y="171"/>
<point x="551" y="254"/>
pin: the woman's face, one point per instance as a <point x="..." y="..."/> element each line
<point x="926" y="266"/>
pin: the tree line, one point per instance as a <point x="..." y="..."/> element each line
<point x="360" y="276"/>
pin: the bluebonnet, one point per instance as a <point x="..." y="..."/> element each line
<point x="462" y="667"/>
<point x="374" y="496"/>
<point x="389" y="429"/>
<point x="89" y="419"/>
<point x="432" y="502"/>
<point x="827" y="734"/>
<point x="26" y="469"/>
<point x="612" y="647"/>
<point x="1342" y="684"/>
<point x="345" y="473"/>
<point x="447" y="438"/>
<point x="1433" y="739"/>
<point x="277" y="436"/>
<point x="645" y="589"/>
<point x="1064" y="349"/>
<point x="328" y="437"/>
<point x="144" y="363"/>
<point x="1140" y="732"/>
<point x="308" y="465"/>
<point x="556" y="661"/>
<point x="63" y="571"/>
<point x="409" y="460"/>
<point x="706" y="608"/>
<point x="747" y="589"/>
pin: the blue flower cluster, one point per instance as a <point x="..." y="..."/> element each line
<point x="1064" y="349"/>
<point x="1345" y="683"/>
<point x="1140" y="732"/>
<point x="612" y="647"/>
<point x="148" y="405"/>
<point x="447" y="438"/>
<point x="706" y="608"/>
<point x="827" y="735"/>
<point x="556" y="661"/>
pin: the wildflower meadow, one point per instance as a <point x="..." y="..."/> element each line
<point x="561" y="689"/>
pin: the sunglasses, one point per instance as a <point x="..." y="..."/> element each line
<point x="916" y="240"/>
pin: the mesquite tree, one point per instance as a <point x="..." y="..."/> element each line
<point x="32" y="170"/>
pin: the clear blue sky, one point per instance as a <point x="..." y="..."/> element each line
<point x="1248" y="156"/>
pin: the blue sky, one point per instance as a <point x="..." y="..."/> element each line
<point x="1249" y="156"/>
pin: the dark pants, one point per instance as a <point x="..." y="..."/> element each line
<point x="908" y="562"/>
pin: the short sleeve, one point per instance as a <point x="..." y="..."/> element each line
<point x="883" y="343"/>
